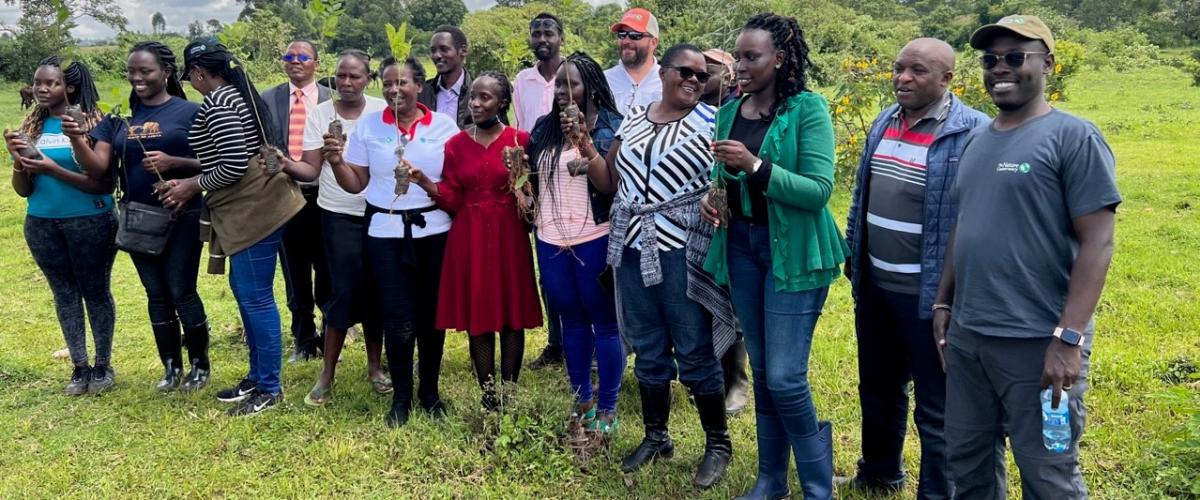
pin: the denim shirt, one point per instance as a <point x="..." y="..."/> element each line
<point x="607" y="123"/>
<point x="940" y="206"/>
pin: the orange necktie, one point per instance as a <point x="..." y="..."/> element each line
<point x="296" y="126"/>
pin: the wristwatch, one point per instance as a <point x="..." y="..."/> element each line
<point x="1069" y="336"/>
<point x="757" y="163"/>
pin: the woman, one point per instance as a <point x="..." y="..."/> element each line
<point x="572" y="234"/>
<point x="781" y="249"/>
<point x="245" y="207"/>
<point x="406" y="233"/>
<point x="154" y="143"/>
<point x="69" y="222"/>
<point x="658" y="166"/>
<point x="477" y="295"/>
<point x="343" y="228"/>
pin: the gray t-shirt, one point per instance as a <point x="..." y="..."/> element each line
<point x="1018" y="192"/>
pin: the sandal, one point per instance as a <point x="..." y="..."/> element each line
<point x="605" y="427"/>
<point x="382" y="385"/>
<point x="317" y="397"/>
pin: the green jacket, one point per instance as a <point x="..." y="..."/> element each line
<point x="807" y="249"/>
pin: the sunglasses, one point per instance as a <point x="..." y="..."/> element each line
<point x="632" y="35"/>
<point x="688" y="73"/>
<point x="1012" y="59"/>
<point x="297" y="58"/>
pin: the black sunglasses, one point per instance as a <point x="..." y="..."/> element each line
<point x="687" y="73"/>
<point x="1012" y="59"/>
<point x="632" y="35"/>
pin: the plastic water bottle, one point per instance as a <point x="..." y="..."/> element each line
<point x="1056" y="422"/>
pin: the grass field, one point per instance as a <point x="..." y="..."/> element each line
<point x="134" y="442"/>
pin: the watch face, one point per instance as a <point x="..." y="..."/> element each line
<point x="1071" y="336"/>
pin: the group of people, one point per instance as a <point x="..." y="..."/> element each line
<point x="678" y="208"/>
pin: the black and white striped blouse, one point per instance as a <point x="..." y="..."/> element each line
<point x="656" y="166"/>
<point x="224" y="138"/>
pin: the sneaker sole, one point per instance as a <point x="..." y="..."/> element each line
<point x="101" y="389"/>
<point x="233" y="400"/>
<point x="251" y="414"/>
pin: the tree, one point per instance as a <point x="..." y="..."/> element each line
<point x="195" y="29"/>
<point x="214" y="26"/>
<point x="427" y="15"/>
<point x="45" y="28"/>
<point x="158" y="23"/>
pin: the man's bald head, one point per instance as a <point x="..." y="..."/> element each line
<point x="921" y="74"/>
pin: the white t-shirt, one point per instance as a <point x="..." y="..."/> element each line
<point x="628" y="94"/>
<point x="331" y="196"/>
<point x="373" y="146"/>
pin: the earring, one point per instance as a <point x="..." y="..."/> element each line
<point x="779" y="65"/>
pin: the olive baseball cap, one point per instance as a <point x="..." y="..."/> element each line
<point x="1030" y="27"/>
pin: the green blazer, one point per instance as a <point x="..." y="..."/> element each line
<point x="807" y="249"/>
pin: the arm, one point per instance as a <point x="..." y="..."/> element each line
<point x="447" y="193"/>
<point x="811" y="185"/>
<point x="22" y="181"/>
<point x="606" y="178"/>
<point x="307" y="169"/>
<point x="945" y="296"/>
<point x="229" y="140"/>
<point x="83" y="182"/>
<point x="94" y="158"/>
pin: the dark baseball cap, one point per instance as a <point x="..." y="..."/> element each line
<point x="1030" y="27"/>
<point x="197" y="49"/>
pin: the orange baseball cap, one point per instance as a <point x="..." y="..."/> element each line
<point x="638" y="19"/>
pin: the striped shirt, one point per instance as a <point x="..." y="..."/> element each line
<point x="896" y="199"/>
<point x="659" y="166"/>
<point x="224" y="138"/>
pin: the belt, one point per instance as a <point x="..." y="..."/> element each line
<point x="410" y="217"/>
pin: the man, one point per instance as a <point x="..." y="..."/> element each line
<point x="900" y="216"/>
<point x="1024" y="269"/>
<point x="721" y="88"/>
<point x="301" y="254"/>
<point x="450" y="91"/>
<point x="635" y="81"/>
<point x="533" y="96"/>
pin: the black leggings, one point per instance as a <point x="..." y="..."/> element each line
<point x="76" y="254"/>
<point x="407" y="294"/>
<point x="483" y="357"/>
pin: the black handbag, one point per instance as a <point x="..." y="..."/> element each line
<point x="141" y="228"/>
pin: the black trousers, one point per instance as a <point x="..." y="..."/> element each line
<point x="895" y="346"/>
<point x="305" y="270"/>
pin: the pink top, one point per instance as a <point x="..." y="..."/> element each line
<point x="533" y="97"/>
<point x="566" y="218"/>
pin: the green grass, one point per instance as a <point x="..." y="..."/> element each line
<point x="135" y="442"/>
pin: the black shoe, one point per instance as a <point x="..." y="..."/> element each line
<point x="80" y="377"/>
<point x="255" y="403"/>
<point x="398" y="415"/>
<point x="196" y="379"/>
<point x="436" y="410"/>
<point x="656" y="408"/>
<point x="552" y="355"/>
<point x="103" y="378"/>
<point x="172" y="377"/>
<point x="305" y="351"/>
<point x="718" y="448"/>
<point x="243" y="390"/>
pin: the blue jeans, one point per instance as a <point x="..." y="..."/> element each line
<point x="778" y="327"/>
<point x="252" y="279"/>
<point x="670" y="333"/>
<point x="571" y="281"/>
<point x="170" y="278"/>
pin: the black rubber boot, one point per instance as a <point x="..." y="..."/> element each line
<point x="718" y="448"/>
<point x="737" y="381"/>
<point x="166" y="338"/>
<point x="196" y="340"/>
<point x="656" y="409"/>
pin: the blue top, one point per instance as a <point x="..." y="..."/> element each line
<point x="53" y="198"/>
<point x="160" y="128"/>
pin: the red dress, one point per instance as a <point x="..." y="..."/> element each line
<point x="487" y="274"/>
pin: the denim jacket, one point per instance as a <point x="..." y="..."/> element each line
<point x="941" y="208"/>
<point x="607" y="123"/>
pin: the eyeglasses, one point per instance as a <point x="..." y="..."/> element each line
<point x="1012" y="59"/>
<point x="687" y="73"/>
<point x="297" y="58"/>
<point x="632" y="35"/>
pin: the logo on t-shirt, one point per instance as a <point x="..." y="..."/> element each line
<point x="1022" y="167"/>
<point x="148" y="130"/>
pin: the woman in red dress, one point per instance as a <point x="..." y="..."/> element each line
<point x="487" y="275"/>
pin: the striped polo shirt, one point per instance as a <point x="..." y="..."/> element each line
<point x="896" y="199"/>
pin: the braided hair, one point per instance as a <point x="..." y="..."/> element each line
<point x="547" y="141"/>
<point x="506" y="92"/>
<point x="167" y="62"/>
<point x="786" y="35"/>
<point x="85" y="96"/>
<point x="221" y="62"/>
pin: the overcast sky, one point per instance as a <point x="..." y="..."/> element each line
<point x="178" y="14"/>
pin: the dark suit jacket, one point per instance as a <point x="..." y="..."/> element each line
<point x="428" y="97"/>
<point x="279" y="101"/>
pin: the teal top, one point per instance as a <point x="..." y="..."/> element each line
<point x="53" y="198"/>
<point x="807" y="249"/>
